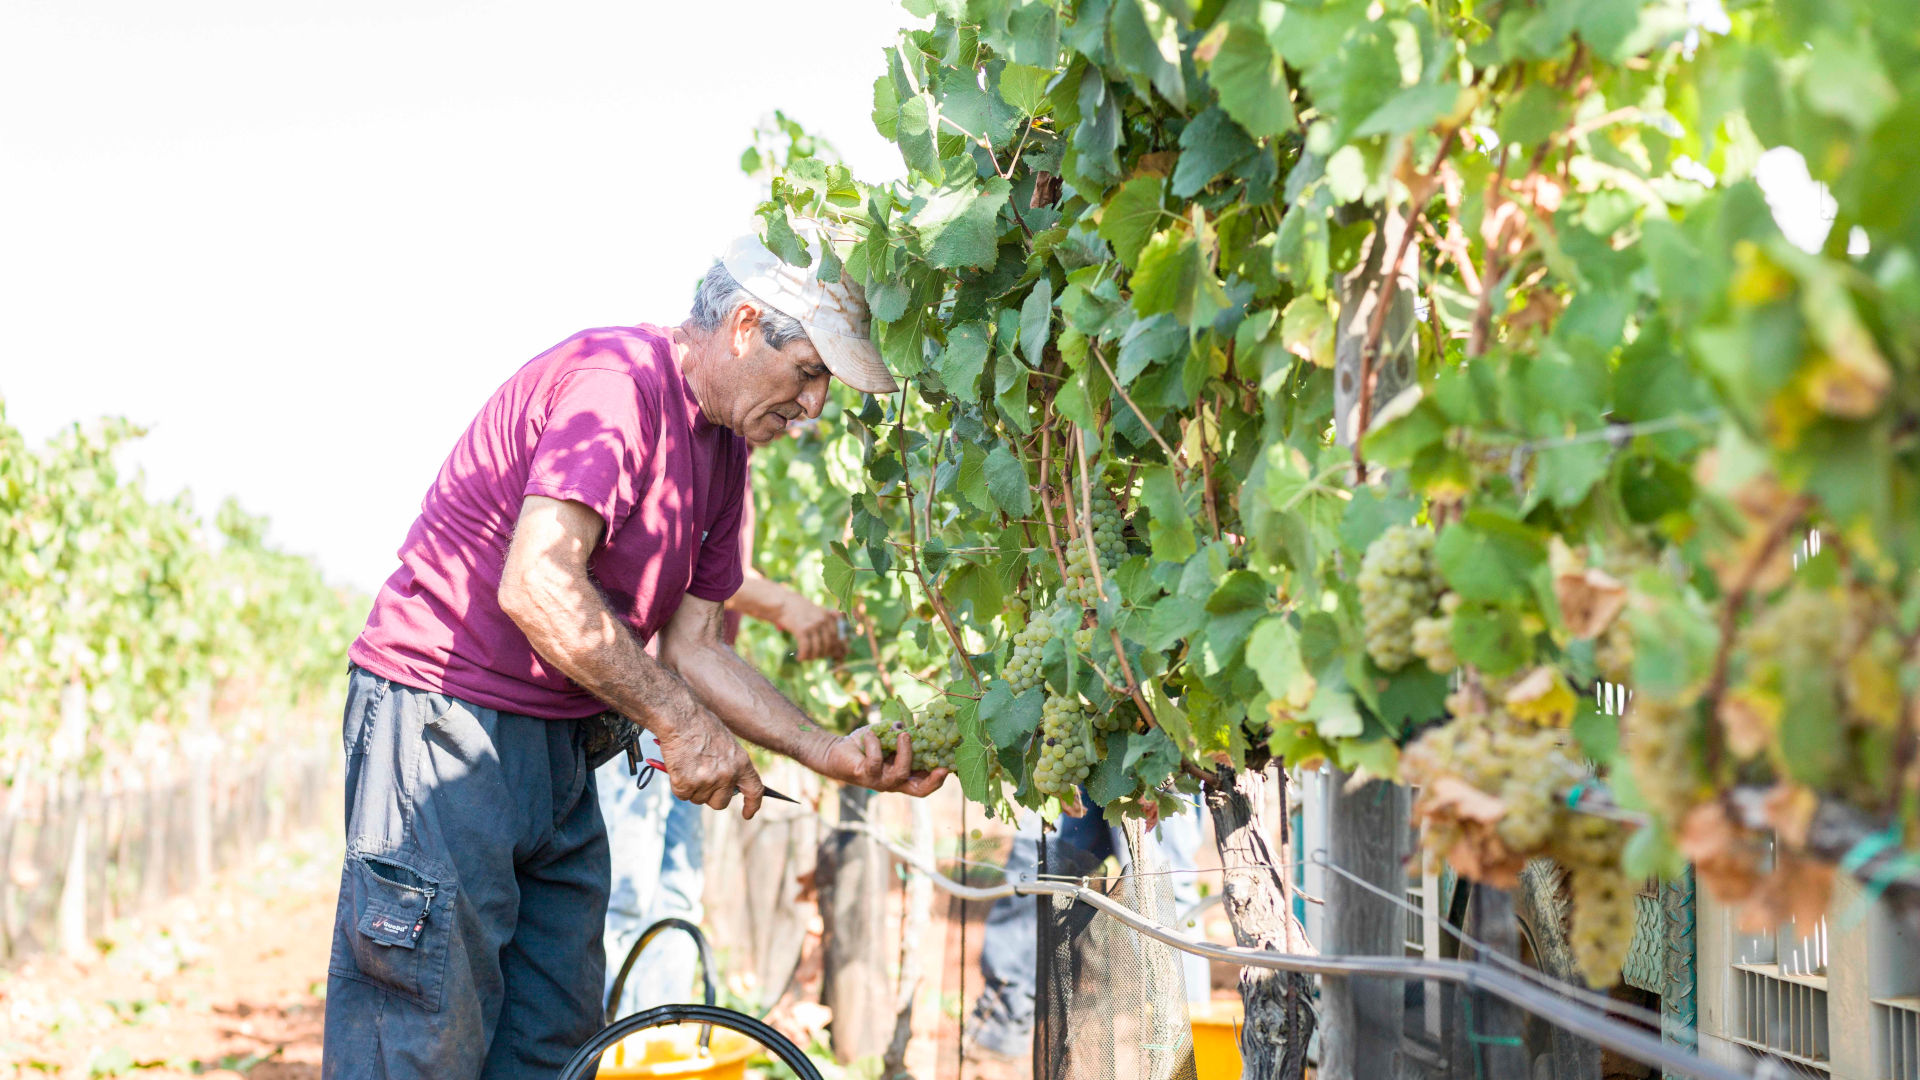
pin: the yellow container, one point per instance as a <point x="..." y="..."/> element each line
<point x="675" y="1051"/>
<point x="1216" y="1039"/>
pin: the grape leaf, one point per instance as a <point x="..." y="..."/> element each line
<point x="1036" y="319"/>
<point x="1011" y="720"/>
<point x="1251" y="82"/>
<point x="1273" y="652"/>
<point x="1169" y="529"/>
<point x="964" y="359"/>
<point x="1210" y="145"/>
<point x="973" y="759"/>
<point x="1173" y="276"/>
<point x="1488" y="557"/>
<point x="1024" y="88"/>
<point x="958" y="225"/>
<point x="1131" y="216"/>
<point x="1007" y="482"/>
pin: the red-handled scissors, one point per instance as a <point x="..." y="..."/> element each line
<point x="655" y="765"/>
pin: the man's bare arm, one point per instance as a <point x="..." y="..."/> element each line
<point x="743" y="698"/>
<point x="815" y="630"/>
<point x="546" y="591"/>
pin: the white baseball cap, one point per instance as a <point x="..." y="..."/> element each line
<point x="834" y="315"/>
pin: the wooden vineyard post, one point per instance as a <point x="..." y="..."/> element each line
<point x="853" y="876"/>
<point x="1490" y="1027"/>
<point x="915" y="907"/>
<point x="1279" y="1010"/>
<point x="1364" y="1020"/>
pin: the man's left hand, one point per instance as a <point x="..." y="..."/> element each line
<point x="858" y="759"/>
<point x="815" y="630"/>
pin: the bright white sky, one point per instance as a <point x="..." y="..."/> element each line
<point x="303" y="240"/>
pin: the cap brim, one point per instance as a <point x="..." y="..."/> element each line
<point x="853" y="361"/>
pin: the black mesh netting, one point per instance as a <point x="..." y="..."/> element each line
<point x="1110" y="1003"/>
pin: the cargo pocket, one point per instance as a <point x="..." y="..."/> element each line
<point x="397" y="929"/>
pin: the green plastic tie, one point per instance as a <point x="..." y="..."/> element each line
<point x="1864" y="851"/>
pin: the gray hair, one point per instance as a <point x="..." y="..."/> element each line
<point x="717" y="297"/>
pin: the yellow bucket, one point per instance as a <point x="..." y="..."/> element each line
<point x="675" y="1051"/>
<point x="1216" y="1039"/>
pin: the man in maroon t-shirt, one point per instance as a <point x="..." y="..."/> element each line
<point x="593" y="506"/>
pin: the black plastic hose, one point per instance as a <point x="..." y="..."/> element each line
<point x="653" y="931"/>
<point x="587" y="1059"/>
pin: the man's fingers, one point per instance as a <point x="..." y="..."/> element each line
<point x="901" y="766"/>
<point x="925" y="784"/>
<point x="719" y="799"/>
<point x="751" y="791"/>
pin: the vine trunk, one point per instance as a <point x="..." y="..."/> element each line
<point x="1279" y="1009"/>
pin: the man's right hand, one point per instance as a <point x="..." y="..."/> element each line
<point x="706" y="764"/>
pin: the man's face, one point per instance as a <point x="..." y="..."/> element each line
<point x="766" y="389"/>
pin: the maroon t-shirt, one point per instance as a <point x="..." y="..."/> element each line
<point x="604" y="418"/>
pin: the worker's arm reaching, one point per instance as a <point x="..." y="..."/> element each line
<point x="692" y="645"/>
<point x="697" y="691"/>
<point x="546" y="590"/>
<point x="815" y="630"/>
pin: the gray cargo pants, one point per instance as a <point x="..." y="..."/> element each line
<point x="467" y="943"/>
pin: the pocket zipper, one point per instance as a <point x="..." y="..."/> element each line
<point x="426" y="908"/>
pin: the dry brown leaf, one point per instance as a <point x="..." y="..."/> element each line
<point x="1797" y="891"/>
<point x="1481" y="855"/>
<point x="1724" y="856"/>
<point x="1790" y="808"/>
<point x="1209" y="46"/>
<point x="1749" y="720"/>
<point x="1589" y="601"/>
<point x="1157" y="163"/>
<point x="1538" y="312"/>
<point x="1454" y="797"/>
<point x="1756" y="560"/>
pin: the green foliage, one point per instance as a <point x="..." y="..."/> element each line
<point x="128" y="603"/>
<point x="1137" y="257"/>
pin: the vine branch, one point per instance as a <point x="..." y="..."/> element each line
<point x="933" y="596"/>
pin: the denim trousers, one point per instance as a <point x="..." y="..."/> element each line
<point x="1009" y="947"/>
<point x="466" y="943"/>
<point x="657" y="842"/>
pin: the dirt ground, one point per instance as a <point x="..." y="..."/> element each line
<point x="227" y="982"/>
<point x="231" y="982"/>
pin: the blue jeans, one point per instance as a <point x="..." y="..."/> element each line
<point x="1008" y="949"/>
<point x="465" y="944"/>
<point x="658" y="871"/>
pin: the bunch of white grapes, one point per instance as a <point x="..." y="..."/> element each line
<point x="1603" y="896"/>
<point x="934" y="735"/>
<point x="1023" y="669"/>
<point x="1613" y="652"/>
<point x="1657" y="737"/>
<point x="1529" y="768"/>
<point x="1108" y="539"/>
<point x="1433" y="636"/>
<point x="1398" y="584"/>
<point x="1067" y="753"/>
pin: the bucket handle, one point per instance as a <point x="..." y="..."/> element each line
<point x="707" y="990"/>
